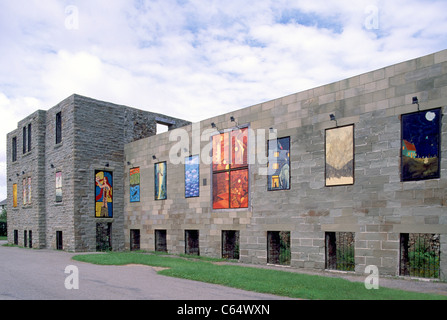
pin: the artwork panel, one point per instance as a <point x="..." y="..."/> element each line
<point x="239" y="152"/>
<point x="420" y="154"/>
<point x="192" y="177"/>
<point x="278" y="172"/>
<point x="221" y="152"/>
<point x="29" y="190"/>
<point x="239" y="189"/>
<point x="134" y="188"/>
<point x="340" y="156"/>
<point x="221" y="190"/>
<point x="103" y="194"/>
<point x="14" y="195"/>
<point x="160" y="172"/>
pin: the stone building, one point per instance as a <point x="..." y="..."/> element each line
<point x="52" y="159"/>
<point x="341" y="177"/>
<point x="332" y="190"/>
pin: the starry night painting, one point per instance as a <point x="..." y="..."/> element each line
<point x="420" y="145"/>
<point x="192" y="176"/>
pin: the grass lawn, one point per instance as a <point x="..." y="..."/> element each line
<point x="282" y="283"/>
<point x="3" y="238"/>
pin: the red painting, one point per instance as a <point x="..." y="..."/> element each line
<point x="239" y="140"/>
<point x="221" y="182"/>
<point x="221" y="152"/>
<point x="239" y="189"/>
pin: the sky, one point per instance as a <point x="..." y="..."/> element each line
<point x="200" y="58"/>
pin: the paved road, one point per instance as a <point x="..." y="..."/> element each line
<point x="40" y="275"/>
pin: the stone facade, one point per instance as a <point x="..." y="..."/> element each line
<point x="374" y="211"/>
<point x="93" y="137"/>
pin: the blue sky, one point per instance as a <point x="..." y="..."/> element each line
<point x="200" y="58"/>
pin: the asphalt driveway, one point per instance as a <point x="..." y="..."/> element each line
<point x="27" y="274"/>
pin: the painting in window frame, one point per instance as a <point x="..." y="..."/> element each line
<point x="192" y="176"/>
<point x="134" y="184"/>
<point x="278" y="171"/>
<point x="339" y="156"/>
<point x="103" y="194"/>
<point x="421" y="141"/>
<point x="160" y="181"/>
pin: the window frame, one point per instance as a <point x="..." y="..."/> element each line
<point x="239" y="168"/>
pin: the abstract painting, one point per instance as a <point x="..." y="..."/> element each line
<point x="420" y="145"/>
<point x="59" y="186"/>
<point x="278" y="172"/>
<point x="230" y="169"/>
<point x="192" y="177"/>
<point x="103" y="194"/>
<point x="134" y="178"/>
<point x="160" y="172"/>
<point x="340" y="156"/>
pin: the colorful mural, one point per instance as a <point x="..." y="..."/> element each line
<point x="420" y="145"/>
<point x="59" y="186"/>
<point x="278" y="174"/>
<point x="104" y="194"/>
<point x="160" y="173"/>
<point x="192" y="177"/>
<point x="230" y="178"/>
<point x="134" y="178"/>
<point x="340" y="156"/>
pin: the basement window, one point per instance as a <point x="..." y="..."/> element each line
<point x="134" y="240"/>
<point x="420" y="255"/>
<point x="160" y="241"/>
<point x="340" y="251"/>
<point x="230" y="244"/>
<point x="278" y="247"/>
<point x="192" y="242"/>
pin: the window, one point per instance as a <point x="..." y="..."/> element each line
<point x="29" y="137"/>
<point x="340" y="251"/>
<point x="192" y="242"/>
<point x="16" y="237"/>
<point x="420" y="255"/>
<point x="14" y="149"/>
<point x="58" y="186"/>
<point x="103" y="236"/>
<point x="339" y="151"/>
<point x="30" y="238"/>
<point x="24" y="140"/>
<point x="58" y="127"/>
<point x="14" y="195"/>
<point x="230" y="244"/>
<point x="420" y="152"/>
<point x="160" y="241"/>
<point x="25" y="238"/>
<point x="134" y="184"/>
<point x="192" y="177"/>
<point x="134" y="239"/>
<point x="278" y="247"/>
<point x="59" y="240"/>
<point x="230" y="169"/>
<point x="278" y="177"/>
<point x="27" y="191"/>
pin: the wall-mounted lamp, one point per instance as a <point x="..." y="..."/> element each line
<point x="416" y="101"/>
<point x="23" y="173"/>
<point x="18" y="175"/>
<point x="154" y="157"/>
<point x="333" y="119"/>
<point x="213" y="125"/>
<point x="107" y="165"/>
<point x="234" y="120"/>
<point x="52" y="166"/>
<point x="128" y="163"/>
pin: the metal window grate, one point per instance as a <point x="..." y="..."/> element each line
<point x="420" y="255"/>
<point x="340" y="253"/>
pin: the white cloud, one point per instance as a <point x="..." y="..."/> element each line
<point x="196" y="59"/>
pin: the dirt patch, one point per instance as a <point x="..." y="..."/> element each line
<point x="157" y="269"/>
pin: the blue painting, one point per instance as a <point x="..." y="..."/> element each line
<point x="134" y="184"/>
<point x="192" y="176"/>
<point x="420" y="145"/>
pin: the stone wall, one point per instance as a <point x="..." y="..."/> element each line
<point x="378" y="207"/>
